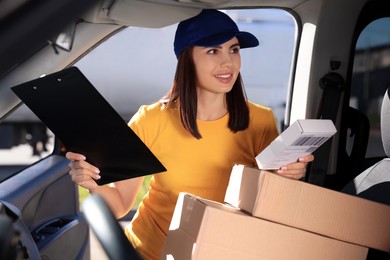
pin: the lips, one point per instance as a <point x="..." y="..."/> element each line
<point x="224" y="78"/>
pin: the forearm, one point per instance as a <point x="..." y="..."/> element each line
<point x="120" y="196"/>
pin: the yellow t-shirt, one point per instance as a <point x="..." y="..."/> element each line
<point x="198" y="166"/>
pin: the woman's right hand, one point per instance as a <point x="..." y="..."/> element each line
<point x="82" y="172"/>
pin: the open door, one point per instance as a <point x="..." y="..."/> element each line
<point x="42" y="203"/>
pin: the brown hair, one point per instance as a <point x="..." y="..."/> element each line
<point x="184" y="91"/>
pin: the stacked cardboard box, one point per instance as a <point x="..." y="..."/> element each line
<point x="272" y="217"/>
<point x="203" y="229"/>
<point x="309" y="207"/>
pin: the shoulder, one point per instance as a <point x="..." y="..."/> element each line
<point x="144" y="113"/>
<point x="147" y="121"/>
<point x="262" y="117"/>
<point x="151" y="111"/>
<point x="153" y="114"/>
<point x="259" y="110"/>
<point x="263" y="124"/>
<point x="154" y="108"/>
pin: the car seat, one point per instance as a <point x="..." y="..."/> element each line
<point x="374" y="182"/>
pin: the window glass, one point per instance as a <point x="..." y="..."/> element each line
<point x="137" y="66"/>
<point x="23" y="141"/>
<point x="371" y="78"/>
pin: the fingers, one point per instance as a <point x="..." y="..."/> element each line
<point x="74" y="156"/>
<point x="82" y="172"/>
<point x="296" y="170"/>
<point x="293" y="170"/>
<point x="307" y="158"/>
<point x="84" y="181"/>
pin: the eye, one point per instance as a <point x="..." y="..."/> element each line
<point x="235" y="50"/>
<point x="212" y="51"/>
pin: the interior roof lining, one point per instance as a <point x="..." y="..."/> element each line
<point x="132" y="13"/>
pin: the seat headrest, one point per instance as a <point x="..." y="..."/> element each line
<point x="385" y="122"/>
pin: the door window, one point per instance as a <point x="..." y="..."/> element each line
<point x="137" y="71"/>
<point x="371" y="78"/>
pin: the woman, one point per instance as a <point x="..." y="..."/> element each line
<point x="198" y="131"/>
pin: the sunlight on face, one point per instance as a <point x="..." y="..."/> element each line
<point x="217" y="67"/>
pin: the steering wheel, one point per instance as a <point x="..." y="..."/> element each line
<point x="107" y="229"/>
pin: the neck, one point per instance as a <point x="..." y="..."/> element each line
<point x="212" y="108"/>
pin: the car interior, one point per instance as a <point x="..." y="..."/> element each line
<point x="336" y="65"/>
<point x="373" y="183"/>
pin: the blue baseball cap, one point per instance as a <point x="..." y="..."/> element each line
<point x="210" y="28"/>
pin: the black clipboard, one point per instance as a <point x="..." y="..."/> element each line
<point x="70" y="106"/>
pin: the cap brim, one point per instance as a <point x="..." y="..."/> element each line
<point x="246" y="40"/>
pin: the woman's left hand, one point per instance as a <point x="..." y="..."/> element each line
<point x="296" y="170"/>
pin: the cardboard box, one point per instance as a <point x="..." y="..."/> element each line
<point x="203" y="229"/>
<point x="309" y="207"/>
<point x="303" y="137"/>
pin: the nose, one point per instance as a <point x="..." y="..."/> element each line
<point x="226" y="60"/>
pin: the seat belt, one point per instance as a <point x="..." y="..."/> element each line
<point x="333" y="85"/>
